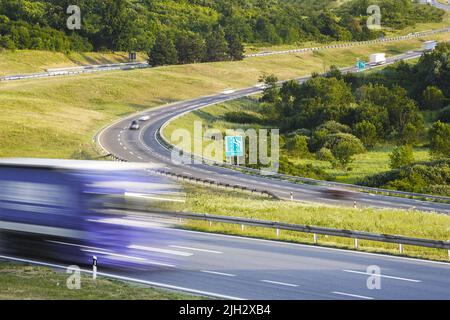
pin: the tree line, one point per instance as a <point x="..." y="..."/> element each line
<point x="136" y="25"/>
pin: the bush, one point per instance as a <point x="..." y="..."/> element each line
<point x="308" y="170"/>
<point x="297" y="146"/>
<point x="426" y="177"/>
<point x="401" y="156"/>
<point x="440" y="140"/>
<point x="242" y="117"/>
<point x="366" y="132"/>
<point x="324" y="154"/>
<point x="344" y="146"/>
<point x="433" y="98"/>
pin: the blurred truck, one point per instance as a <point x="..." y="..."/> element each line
<point x="429" y="45"/>
<point x="70" y="210"/>
<point x="377" y="58"/>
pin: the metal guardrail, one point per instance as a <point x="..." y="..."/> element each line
<point x="351" y="44"/>
<point x="77" y="70"/>
<point x="356" y="235"/>
<point x="201" y="181"/>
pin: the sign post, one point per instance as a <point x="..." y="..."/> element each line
<point x="234" y="146"/>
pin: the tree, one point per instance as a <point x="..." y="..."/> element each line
<point x="344" y="146"/>
<point x="217" y="46"/>
<point x="271" y="91"/>
<point x="401" y="156"/>
<point x="439" y="140"/>
<point x="433" y="98"/>
<point x="191" y="48"/>
<point x="366" y="132"/>
<point x="297" y="146"/>
<point x="235" y="47"/>
<point x="163" y="52"/>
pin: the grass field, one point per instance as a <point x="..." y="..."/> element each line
<point x="23" y="282"/>
<point x="396" y="222"/>
<point x="57" y="117"/>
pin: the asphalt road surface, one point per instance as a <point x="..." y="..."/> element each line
<point x="143" y="145"/>
<point x="231" y="267"/>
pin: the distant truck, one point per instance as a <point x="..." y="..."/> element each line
<point x="377" y="58"/>
<point x="429" y="45"/>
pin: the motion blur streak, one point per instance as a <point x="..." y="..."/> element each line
<point x="69" y="210"/>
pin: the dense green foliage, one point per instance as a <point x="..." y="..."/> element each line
<point x="440" y="140"/>
<point x="401" y="156"/>
<point x="133" y="25"/>
<point x="430" y="177"/>
<point x="427" y="82"/>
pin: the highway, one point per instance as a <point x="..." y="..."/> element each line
<point x="439" y="5"/>
<point x="144" y="145"/>
<point x="230" y="267"/>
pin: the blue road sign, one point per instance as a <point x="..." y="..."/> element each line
<point x="234" y="146"/>
<point x="361" y="65"/>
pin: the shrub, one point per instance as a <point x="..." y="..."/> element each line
<point x="401" y="156"/>
<point x="242" y="117"/>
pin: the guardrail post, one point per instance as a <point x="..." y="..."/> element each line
<point x="356" y="243"/>
<point x="315" y="238"/>
<point x="400" y="247"/>
<point x="94" y="267"/>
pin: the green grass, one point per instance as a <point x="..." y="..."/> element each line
<point x="24" y="282"/>
<point x="365" y="164"/>
<point x="394" y="222"/>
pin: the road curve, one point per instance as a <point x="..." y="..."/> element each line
<point x="143" y="145"/>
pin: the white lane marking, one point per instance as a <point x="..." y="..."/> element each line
<point x="352" y="295"/>
<point x="76" y="245"/>
<point x="219" y="273"/>
<point x="382" y="276"/>
<point x="151" y="249"/>
<point x="114" y="254"/>
<point x="109" y="275"/>
<point x="196" y="249"/>
<point x="280" y="283"/>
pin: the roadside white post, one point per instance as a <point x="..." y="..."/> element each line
<point x="315" y="238"/>
<point x="210" y="223"/>
<point x="242" y="227"/>
<point x="354" y="204"/>
<point x="448" y="250"/>
<point x="400" y="247"/>
<point x="278" y="232"/>
<point x="94" y="268"/>
<point x="292" y="196"/>
<point x="356" y="243"/>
